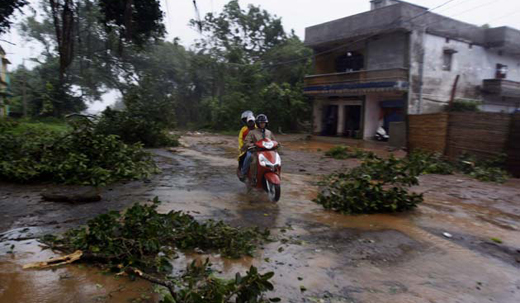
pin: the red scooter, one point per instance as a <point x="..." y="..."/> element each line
<point x="269" y="167"/>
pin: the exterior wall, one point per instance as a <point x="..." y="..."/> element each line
<point x="317" y="111"/>
<point x="388" y="51"/>
<point x="371" y="116"/>
<point x="472" y="62"/>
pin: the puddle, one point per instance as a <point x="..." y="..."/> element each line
<point x="70" y="283"/>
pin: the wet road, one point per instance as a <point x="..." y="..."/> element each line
<point x="336" y="258"/>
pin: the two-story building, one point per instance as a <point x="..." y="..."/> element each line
<point x="4" y="84"/>
<point x="376" y="67"/>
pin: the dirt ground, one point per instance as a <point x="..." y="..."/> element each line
<point x="336" y="258"/>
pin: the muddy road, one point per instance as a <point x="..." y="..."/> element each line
<point x="332" y="257"/>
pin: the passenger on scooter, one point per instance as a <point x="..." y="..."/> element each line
<point x="255" y="135"/>
<point x="249" y="120"/>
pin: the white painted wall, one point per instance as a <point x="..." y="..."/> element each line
<point x="371" y="117"/>
<point x="473" y="64"/>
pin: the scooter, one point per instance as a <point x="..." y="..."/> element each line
<point x="269" y="168"/>
<point x="381" y="134"/>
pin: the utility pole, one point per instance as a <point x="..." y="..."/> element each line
<point x="24" y="90"/>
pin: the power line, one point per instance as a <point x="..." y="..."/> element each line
<point x="463" y="12"/>
<point x="505" y="16"/>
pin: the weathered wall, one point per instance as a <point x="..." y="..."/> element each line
<point x="388" y="51"/>
<point x="472" y="62"/>
<point x="428" y="132"/>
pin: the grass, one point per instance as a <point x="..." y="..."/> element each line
<point x="53" y="125"/>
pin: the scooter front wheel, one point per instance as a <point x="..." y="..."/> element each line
<point x="273" y="191"/>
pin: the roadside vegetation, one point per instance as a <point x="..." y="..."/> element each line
<point x="74" y="154"/>
<point x="142" y="242"/>
<point x="382" y="185"/>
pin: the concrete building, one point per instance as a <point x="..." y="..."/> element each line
<point x="376" y="67"/>
<point x="4" y="84"/>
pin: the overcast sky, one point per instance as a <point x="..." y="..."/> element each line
<point x="296" y="14"/>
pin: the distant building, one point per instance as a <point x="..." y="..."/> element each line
<point x="376" y="67"/>
<point x="4" y="84"/>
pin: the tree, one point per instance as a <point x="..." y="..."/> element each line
<point x="7" y="8"/>
<point x="246" y="47"/>
<point x="137" y="21"/>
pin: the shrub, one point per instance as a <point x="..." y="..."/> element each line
<point x="461" y="105"/>
<point x="132" y="128"/>
<point x="80" y="156"/>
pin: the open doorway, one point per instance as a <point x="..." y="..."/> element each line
<point x="352" y="127"/>
<point x="329" y="120"/>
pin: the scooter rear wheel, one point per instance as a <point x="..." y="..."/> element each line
<point x="273" y="191"/>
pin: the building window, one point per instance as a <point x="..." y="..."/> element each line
<point x="501" y="71"/>
<point x="447" y="59"/>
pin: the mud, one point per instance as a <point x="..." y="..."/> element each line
<point x="334" y="258"/>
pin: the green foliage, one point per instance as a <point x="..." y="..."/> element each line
<point x="199" y="284"/>
<point x="363" y="195"/>
<point x="491" y="170"/>
<point x="136" y="21"/>
<point x="146" y="239"/>
<point x="79" y="156"/>
<point x="147" y="118"/>
<point x="347" y="152"/>
<point x="462" y="105"/>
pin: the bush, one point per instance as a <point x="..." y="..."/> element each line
<point x="132" y="128"/>
<point x="461" y="105"/>
<point x="79" y="156"/>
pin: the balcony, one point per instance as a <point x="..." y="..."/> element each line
<point x="359" y="82"/>
<point x="501" y="88"/>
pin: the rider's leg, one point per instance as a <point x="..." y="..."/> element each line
<point x="246" y="163"/>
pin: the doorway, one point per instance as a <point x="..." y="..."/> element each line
<point x="329" y="120"/>
<point x="352" y="127"/>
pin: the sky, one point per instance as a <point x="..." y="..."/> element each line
<point x="295" y="14"/>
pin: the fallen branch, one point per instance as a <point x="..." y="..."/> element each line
<point x="150" y="278"/>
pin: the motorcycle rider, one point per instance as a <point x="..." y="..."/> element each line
<point x="255" y="135"/>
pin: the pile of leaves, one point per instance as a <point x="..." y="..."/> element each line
<point x="490" y="170"/>
<point x="142" y="241"/>
<point x="360" y="194"/>
<point x="78" y="156"/>
<point x="347" y="152"/>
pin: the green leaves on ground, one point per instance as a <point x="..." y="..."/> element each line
<point x="198" y="284"/>
<point x="360" y="194"/>
<point x="146" y="239"/>
<point x="77" y="156"/>
<point x="491" y="170"/>
<point x="347" y="152"/>
<point x="380" y="185"/>
<point x="143" y="239"/>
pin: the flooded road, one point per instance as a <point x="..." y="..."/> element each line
<point x="319" y="256"/>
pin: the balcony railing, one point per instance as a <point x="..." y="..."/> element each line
<point x="359" y="81"/>
<point x="501" y="88"/>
